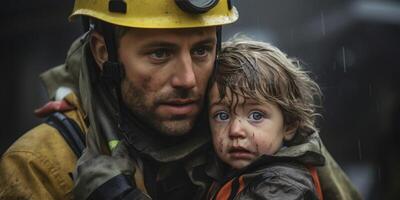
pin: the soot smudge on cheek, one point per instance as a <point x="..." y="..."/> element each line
<point x="220" y="147"/>
<point x="145" y="82"/>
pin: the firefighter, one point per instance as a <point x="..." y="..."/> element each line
<point x="132" y="93"/>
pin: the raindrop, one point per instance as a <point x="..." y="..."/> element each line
<point x="344" y="59"/>
<point x="379" y="174"/>
<point x="258" y="22"/>
<point x="370" y="90"/>
<point x="359" y="149"/>
<point x="291" y="35"/>
<point x="377" y="106"/>
<point x="322" y="23"/>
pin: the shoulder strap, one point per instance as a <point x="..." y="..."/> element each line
<point x="71" y="132"/>
<point x="230" y="189"/>
<point x="314" y="175"/>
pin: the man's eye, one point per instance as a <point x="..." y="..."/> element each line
<point x="256" y="116"/>
<point x="160" y="54"/>
<point x="200" y="51"/>
<point x="221" y="116"/>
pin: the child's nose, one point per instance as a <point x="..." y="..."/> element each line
<point x="236" y="129"/>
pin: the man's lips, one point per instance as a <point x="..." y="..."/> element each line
<point x="179" y="106"/>
<point x="240" y="153"/>
<point x="179" y="101"/>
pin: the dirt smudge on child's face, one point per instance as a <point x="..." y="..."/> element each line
<point x="220" y="145"/>
<point x="255" y="143"/>
<point x="257" y="149"/>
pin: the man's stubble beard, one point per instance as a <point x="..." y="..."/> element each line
<point x="135" y="99"/>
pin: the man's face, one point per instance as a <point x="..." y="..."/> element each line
<point x="166" y="75"/>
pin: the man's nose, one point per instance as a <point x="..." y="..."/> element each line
<point x="184" y="75"/>
<point x="236" y="129"/>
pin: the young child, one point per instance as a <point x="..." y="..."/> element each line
<point x="262" y="113"/>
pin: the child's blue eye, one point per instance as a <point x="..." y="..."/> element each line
<point x="221" y="116"/>
<point x="256" y="116"/>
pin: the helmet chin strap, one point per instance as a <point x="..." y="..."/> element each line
<point x="112" y="73"/>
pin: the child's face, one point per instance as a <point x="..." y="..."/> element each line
<point x="242" y="135"/>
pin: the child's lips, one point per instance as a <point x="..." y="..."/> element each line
<point x="240" y="153"/>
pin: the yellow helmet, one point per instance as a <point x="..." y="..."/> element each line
<point x="158" y="13"/>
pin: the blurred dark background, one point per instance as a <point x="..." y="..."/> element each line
<point x="352" y="49"/>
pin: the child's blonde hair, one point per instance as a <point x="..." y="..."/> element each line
<point x="260" y="71"/>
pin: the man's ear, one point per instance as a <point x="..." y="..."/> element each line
<point x="98" y="48"/>
<point x="290" y="131"/>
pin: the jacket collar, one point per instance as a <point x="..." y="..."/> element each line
<point x="309" y="152"/>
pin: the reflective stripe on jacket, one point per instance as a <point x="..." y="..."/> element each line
<point x="38" y="165"/>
